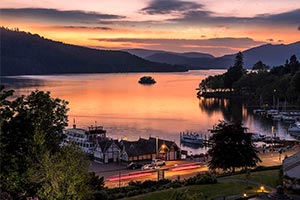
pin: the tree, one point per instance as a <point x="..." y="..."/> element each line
<point x="239" y="62"/>
<point x="62" y="175"/>
<point x="232" y="147"/>
<point x="294" y="64"/>
<point x="260" y="66"/>
<point x="235" y="72"/>
<point x="35" y="164"/>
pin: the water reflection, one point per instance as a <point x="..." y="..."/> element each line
<point x="18" y="83"/>
<point x="231" y="109"/>
<point x="128" y="109"/>
<point x="236" y="110"/>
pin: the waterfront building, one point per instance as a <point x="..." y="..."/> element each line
<point x="149" y="149"/>
<point x="291" y="171"/>
<point x="107" y="151"/>
<point x="104" y="150"/>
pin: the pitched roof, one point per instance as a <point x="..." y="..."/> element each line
<point x="291" y="166"/>
<point x="146" y="146"/>
<point x="104" y="145"/>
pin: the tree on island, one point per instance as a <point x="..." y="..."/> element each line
<point x="232" y="147"/>
<point x="147" y="80"/>
<point x="33" y="163"/>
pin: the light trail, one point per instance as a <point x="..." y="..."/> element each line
<point x="185" y="167"/>
<point x="129" y="176"/>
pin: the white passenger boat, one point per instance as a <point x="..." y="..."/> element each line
<point x="84" y="139"/>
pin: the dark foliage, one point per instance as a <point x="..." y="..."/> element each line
<point x="235" y="72"/>
<point x="25" y="53"/>
<point x="232" y="147"/>
<point x="35" y="163"/>
<point x="96" y="182"/>
<point x="260" y="66"/>
<point x="201" y="179"/>
<point x="262" y="86"/>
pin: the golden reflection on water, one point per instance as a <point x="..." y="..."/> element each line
<point x="169" y="106"/>
<point x="127" y="109"/>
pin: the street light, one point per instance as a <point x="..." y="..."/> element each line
<point x="163" y="147"/>
<point x="262" y="188"/>
<point x="119" y="154"/>
<point x="274" y="98"/>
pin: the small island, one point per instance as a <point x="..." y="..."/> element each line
<point x="147" y="80"/>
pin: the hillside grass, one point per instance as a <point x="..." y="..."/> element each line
<point x="226" y="186"/>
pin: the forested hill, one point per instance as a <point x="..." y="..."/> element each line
<point x="24" y="53"/>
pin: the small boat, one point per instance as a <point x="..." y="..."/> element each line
<point x="258" y="111"/>
<point x="277" y="117"/>
<point x="257" y="137"/>
<point x="272" y="112"/>
<point x="288" y="118"/>
<point x="294" y="129"/>
<point x="191" y="138"/>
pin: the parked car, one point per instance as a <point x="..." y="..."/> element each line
<point x="158" y="162"/>
<point x="134" y="165"/>
<point x="148" y="167"/>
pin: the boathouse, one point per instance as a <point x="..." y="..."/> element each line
<point x="107" y="151"/>
<point x="148" y="149"/>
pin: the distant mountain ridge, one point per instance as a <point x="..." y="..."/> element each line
<point x="24" y="53"/>
<point x="144" y="53"/>
<point x="272" y="55"/>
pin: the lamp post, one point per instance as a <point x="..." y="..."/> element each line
<point x="273" y="135"/>
<point x="119" y="156"/>
<point x="156" y="147"/>
<point x="274" y="98"/>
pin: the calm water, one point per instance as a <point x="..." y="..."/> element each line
<point x="129" y="110"/>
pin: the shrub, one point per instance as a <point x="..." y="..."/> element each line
<point x="176" y="184"/>
<point x="101" y="195"/>
<point x="148" y="184"/>
<point x="201" y="179"/>
<point x="132" y="193"/>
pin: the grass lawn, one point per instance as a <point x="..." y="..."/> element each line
<point x="269" y="177"/>
<point x="223" y="188"/>
<point x="201" y="191"/>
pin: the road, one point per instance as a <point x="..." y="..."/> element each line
<point x="173" y="170"/>
<point x="117" y="175"/>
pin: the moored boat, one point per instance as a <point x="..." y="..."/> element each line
<point x="259" y="111"/>
<point x="257" y="137"/>
<point x="277" y="117"/>
<point x="294" y="129"/>
<point x="191" y="138"/>
<point x="85" y="139"/>
<point x="288" y="118"/>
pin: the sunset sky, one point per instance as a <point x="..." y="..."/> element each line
<point x="210" y="26"/>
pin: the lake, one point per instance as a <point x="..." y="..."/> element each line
<point x="127" y="109"/>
